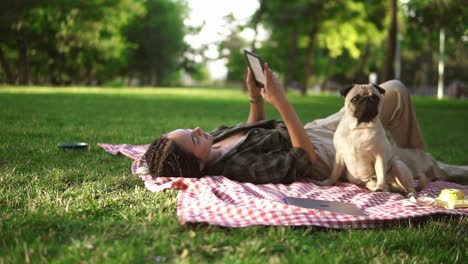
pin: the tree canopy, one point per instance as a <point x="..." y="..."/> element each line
<point x="91" y="42"/>
<point x="309" y="42"/>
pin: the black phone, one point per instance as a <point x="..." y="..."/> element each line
<point x="73" y="145"/>
<point x="256" y="66"/>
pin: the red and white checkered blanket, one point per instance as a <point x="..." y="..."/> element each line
<point x="217" y="200"/>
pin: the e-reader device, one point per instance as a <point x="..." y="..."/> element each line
<point x="256" y="65"/>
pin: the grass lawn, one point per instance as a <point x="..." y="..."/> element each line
<point x="72" y="207"/>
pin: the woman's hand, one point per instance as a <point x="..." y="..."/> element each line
<point x="273" y="91"/>
<point x="257" y="107"/>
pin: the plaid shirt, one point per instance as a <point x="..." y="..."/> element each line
<point x="264" y="156"/>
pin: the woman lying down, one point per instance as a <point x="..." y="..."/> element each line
<point x="271" y="151"/>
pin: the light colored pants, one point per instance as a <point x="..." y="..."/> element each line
<point x="398" y="118"/>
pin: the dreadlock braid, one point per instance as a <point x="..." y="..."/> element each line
<point x="165" y="158"/>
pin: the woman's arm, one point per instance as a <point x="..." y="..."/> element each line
<point x="274" y="94"/>
<point x="257" y="106"/>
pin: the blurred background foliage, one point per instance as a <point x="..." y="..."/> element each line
<point x="310" y="43"/>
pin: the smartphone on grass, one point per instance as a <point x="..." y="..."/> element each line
<point x="256" y="66"/>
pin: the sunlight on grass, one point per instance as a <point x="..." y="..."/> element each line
<point x="189" y="92"/>
<point x="236" y="94"/>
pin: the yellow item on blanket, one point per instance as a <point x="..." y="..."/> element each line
<point x="452" y="199"/>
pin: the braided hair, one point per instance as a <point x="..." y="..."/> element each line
<point x="165" y="158"/>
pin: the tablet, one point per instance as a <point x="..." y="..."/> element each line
<point x="256" y="65"/>
<point x="330" y="206"/>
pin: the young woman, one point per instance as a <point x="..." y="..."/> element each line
<point x="271" y="151"/>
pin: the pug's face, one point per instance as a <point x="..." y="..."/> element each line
<point x="363" y="101"/>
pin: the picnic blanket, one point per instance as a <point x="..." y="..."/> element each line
<point x="217" y="200"/>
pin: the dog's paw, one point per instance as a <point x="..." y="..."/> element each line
<point x="411" y="193"/>
<point x="379" y="188"/>
<point x="322" y="183"/>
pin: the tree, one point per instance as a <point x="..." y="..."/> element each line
<point x="308" y="33"/>
<point x="15" y="32"/>
<point x="293" y="29"/>
<point x="158" y="38"/>
<point x="425" y="22"/>
<point x="388" y="72"/>
<point x="65" y="41"/>
<point x="10" y="79"/>
<point x="91" y="38"/>
<point x="283" y="22"/>
<point x="348" y="33"/>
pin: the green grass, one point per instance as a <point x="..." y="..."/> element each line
<point x="72" y="207"/>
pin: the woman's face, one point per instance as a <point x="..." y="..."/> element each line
<point x="194" y="140"/>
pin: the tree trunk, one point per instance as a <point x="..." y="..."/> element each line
<point x="292" y="59"/>
<point x="362" y="77"/>
<point x="23" y="72"/>
<point x="6" y="68"/>
<point x="391" y="43"/>
<point x="88" y="76"/>
<point x="440" y="83"/>
<point x="328" y="74"/>
<point x="309" y="61"/>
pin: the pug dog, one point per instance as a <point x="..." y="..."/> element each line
<point x="362" y="149"/>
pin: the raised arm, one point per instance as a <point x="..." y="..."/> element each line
<point x="274" y="94"/>
<point x="257" y="105"/>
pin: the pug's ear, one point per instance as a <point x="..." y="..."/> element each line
<point x="345" y="90"/>
<point x="380" y="89"/>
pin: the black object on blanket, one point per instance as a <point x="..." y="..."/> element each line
<point x="330" y="206"/>
<point x="73" y="146"/>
